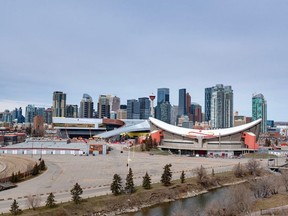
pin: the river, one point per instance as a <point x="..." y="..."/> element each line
<point x="197" y="203"/>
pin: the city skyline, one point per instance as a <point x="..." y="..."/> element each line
<point x="131" y="49"/>
<point x="24" y="104"/>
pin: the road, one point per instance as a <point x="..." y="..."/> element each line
<point x="95" y="173"/>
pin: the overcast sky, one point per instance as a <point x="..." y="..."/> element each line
<point x="130" y="48"/>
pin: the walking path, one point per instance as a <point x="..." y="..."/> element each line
<point x="95" y="173"/>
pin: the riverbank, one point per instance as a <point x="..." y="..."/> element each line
<point x="117" y="205"/>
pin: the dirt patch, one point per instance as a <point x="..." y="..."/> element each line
<point x="14" y="164"/>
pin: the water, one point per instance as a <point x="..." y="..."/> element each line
<point x="197" y="203"/>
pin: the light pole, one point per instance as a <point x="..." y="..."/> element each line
<point x="41" y="152"/>
<point x="32" y="150"/>
<point x="128" y="159"/>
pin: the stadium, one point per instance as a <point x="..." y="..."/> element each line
<point x="224" y="142"/>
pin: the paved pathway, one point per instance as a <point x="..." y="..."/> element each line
<point x="95" y="173"/>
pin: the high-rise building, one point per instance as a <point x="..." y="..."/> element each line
<point x="228" y="107"/>
<point x="196" y="112"/>
<point x="122" y="112"/>
<point x="48" y="116"/>
<point x="259" y="110"/>
<point x="182" y="103"/>
<point x="38" y="125"/>
<point x="86" y="107"/>
<point x="144" y="103"/>
<point x="163" y="108"/>
<point x="14" y="114"/>
<point x="221" y="106"/>
<point x="59" y="104"/>
<point x="208" y="93"/>
<point x="7" y="116"/>
<point x="72" y="111"/>
<point x="163" y="95"/>
<point x="17" y="115"/>
<point x="173" y="116"/>
<point x="30" y="113"/>
<point x="110" y="98"/>
<point x="133" y="109"/>
<point x="115" y="104"/>
<point x="188" y="106"/>
<point x="103" y="107"/>
<point x="165" y="112"/>
<point x="40" y="111"/>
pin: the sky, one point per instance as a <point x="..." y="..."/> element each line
<point x="130" y="48"/>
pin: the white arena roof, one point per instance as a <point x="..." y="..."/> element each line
<point x="196" y="132"/>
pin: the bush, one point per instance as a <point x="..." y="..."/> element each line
<point x="203" y="178"/>
<point x="236" y="200"/>
<point x="253" y="167"/>
<point x="182" y="176"/>
<point x="239" y="171"/>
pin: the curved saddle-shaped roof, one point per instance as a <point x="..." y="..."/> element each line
<point x="207" y="133"/>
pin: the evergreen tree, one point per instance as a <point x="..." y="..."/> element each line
<point x="19" y="176"/>
<point x="167" y="175"/>
<point x="50" y="202"/>
<point x="276" y="142"/>
<point x="182" y="176"/>
<point x="76" y="191"/>
<point x="42" y="165"/>
<point x="35" y="170"/>
<point x="129" y="182"/>
<point x="146" y="183"/>
<point x="15" y="208"/>
<point x="15" y="177"/>
<point x="116" y="186"/>
<point x="12" y="178"/>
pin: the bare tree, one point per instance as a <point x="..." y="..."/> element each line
<point x="239" y="170"/>
<point x="201" y="175"/>
<point x="235" y="201"/>
<point x="284" y="175"/>
<point x="265" y="187"/>
<point x="253" y="167"/>
<point x="275" y="184"/>
<point x="33" y="201"/>
<point x="204" y="179"/>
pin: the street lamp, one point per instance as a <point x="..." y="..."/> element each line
<point x="128" y="159"/>
<point x="41" y="152"/>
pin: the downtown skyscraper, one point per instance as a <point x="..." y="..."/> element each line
<point x="103" y="106"/>
<point x="59" y="104"/>
<point x="163" y="107"/>
<point x="86" y="107"/>
<point x="207" y="101"/>
<point x="144" y="107"/>
<point x="259" y="110"/>
<point x="221" y="110"/>
<point x="182" y="104"/>
<point x="133" y="109"/>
